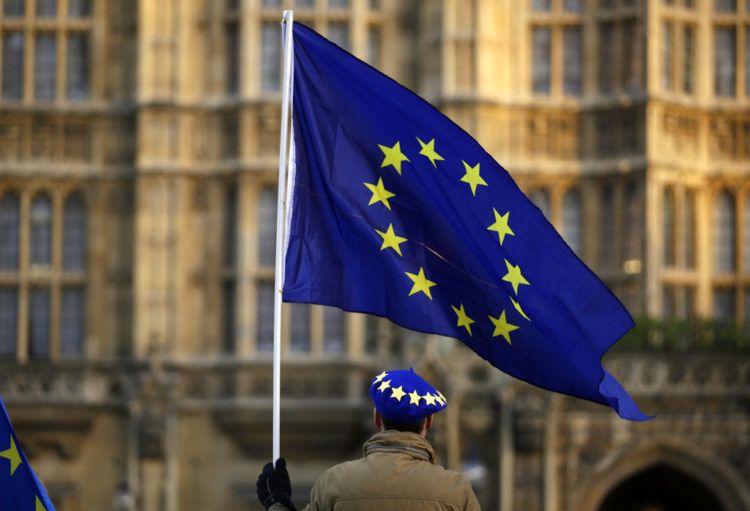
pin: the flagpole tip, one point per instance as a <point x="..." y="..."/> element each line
<point x="286" y="16"/>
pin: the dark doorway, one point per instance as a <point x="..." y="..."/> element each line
<point x="661" y="488"/>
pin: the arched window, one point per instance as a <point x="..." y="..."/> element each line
<point x="688" y="229"/>
<point x="8" y="321"/>
<point x="39" y="322"/>
<point x="571" y="220"/>
<point x="74" y="233"/>
<point x="72" y="322"/>
<point x="607" y="228"/>
<point x="540" y="197"/>
<point x="41" y="230"/>
<point x="632" y="234"/>
<point x="334" y="330"/>
<point x="10" y="221"/>
<point x="725" y="233"/>
<point x="668" y="227"/>
<point x="267" y="226"/>
<point x="230" y="227"/>
<point x="299" y="340"/>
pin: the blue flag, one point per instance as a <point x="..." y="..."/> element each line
<point x="20" y="490"/>
<point x="396" y="211"/>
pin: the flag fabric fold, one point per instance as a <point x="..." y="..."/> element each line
<point x="398" y="212"/>
<point x="20" y="489"/>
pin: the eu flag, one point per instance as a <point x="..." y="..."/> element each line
<point x="396" y="211"/>
<point x="20" y="490"/>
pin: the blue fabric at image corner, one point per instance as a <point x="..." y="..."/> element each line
<point x="20" y="489"/>
<point x="398" y="212"/>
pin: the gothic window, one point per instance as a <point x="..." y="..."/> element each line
<point x="373" y="46"/>
<point x="229" y="274"/>
<point x="334" y="330"/>
<point x="45" y="68"/>
<point x="46" y="8"/>
<point x="606" y="56"/>
<point x="299" y="318"/>
<point x="725" y="303"/>
<point x="688" y="229"/>
<point x="607" y="227"/>
<point x="571" y="221"/>
<point x="632" y="231"/>
<point x="338" y="32"/>
<point x="573" y="60"/>
<point x="41" y="231"/>
<point x="270" y="56"/>
<point x="74" y="233"/>
<point x="338" y="4"/>
<point x="39" y="323"/>
<point x="631" y="62"/>
<point x="372" y="334"/>
<point x="79" y="8"/>
<point x="667" y="56"/>
<point x="725" y="61"/>
<point x="232" y="32"/>
<point x="14" y="8"/>
<point x="541" y="56"/>
<point x="574" y="6"/>
<point x="267" y="226"/>
<point x="264" y="320"/>
<point x="72" y="322"/>
<point x="724" y="233"/>
<point x="305" y="4"/>
<point x="669" y="301"/>
<point x="10" y="226"/>
<point x="13" y="75"/>
<point x="669" y="216"/>
<point x="78" y="66"/>
<point x="688" y="58"/>
<point x="271" y="3"/>
<point x="8" y="321"/>
<point x="541" y="5"/>
<point x="726" y="5"/>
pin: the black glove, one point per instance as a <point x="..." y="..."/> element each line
<point x="274" y="486"/>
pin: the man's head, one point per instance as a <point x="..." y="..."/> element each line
<point x="420" y="427"/>
<point x="404" y="401"/>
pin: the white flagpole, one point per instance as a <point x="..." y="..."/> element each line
<point x="286" y="23"/>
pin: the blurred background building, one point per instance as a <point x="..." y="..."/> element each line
<point x="138" y="162"/>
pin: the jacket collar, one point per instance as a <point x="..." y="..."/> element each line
<point x="401" y="442"/>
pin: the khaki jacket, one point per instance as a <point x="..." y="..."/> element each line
<point x="397" y="472"/>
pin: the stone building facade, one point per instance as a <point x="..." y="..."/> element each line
<point x="138" y="162"/>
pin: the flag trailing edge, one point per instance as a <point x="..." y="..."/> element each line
<point x="394" y="210"/>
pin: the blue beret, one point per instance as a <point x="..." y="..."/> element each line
<point x="404" y="396"/>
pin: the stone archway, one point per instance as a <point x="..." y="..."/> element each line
<point x="651" y="478"/>
<point x="661" y="487"/>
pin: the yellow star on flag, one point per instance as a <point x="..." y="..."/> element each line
<point x="39" y="505"/>
<point x="380" y="377"/>
<point x="429" y="399"/>
<point x="463" y="319"/>
<point x="384" y="385"/>
<point x="379" y="193"/>
<point x="514" y="276"/>
<point x="390" y="239"/>
<point x="502" y="327"/>
<point x="393" y="156"/>
<point x="519" y="309"/>
<point x="472" y="177"/>
<point x="11" y="454"/>
<point x="397" y="393"/>
<point x="428" y="150"/>
<point x="414" y="398"/>
<point x="420" y="283"/>
<point x="441" y="398"/>
<point x="501" y="226"/>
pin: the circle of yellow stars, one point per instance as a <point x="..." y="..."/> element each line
<point x="394" y="157"/>
<point x="398" y="393"/>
